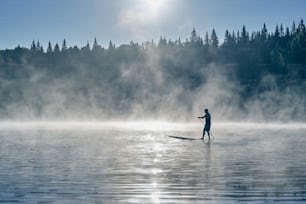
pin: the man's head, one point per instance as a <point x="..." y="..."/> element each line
<point x="206" y="110"/>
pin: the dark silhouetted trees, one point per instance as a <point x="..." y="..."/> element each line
<point x="248" y="56"/>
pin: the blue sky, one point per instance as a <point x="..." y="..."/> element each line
<point x="121" y="21"/>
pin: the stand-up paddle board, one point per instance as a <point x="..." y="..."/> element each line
<point x="183" y="138"/>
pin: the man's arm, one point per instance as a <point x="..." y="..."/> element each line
<point x="202" y="117"/>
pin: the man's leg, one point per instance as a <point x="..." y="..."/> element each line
<point x="203" y="134"/>
<point x="208" y="132"/>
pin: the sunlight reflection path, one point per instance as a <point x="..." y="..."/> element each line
<point x="135" y="162"/>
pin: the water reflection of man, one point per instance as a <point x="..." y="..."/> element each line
<point x="207" y="123"/>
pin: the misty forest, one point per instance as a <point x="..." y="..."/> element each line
<point x="255" y="75"/>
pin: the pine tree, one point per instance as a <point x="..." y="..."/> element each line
<point x="110" y="45"/>
<point x="95" y="45"/>
<point x="64" y="45"/>
<point x="301" y="26"/>
<point x="214" y="39"/>
<point x="264" y="32"/>
<point x="206" y="40"/>
<point x="49" y="49"/>
<point x="287" y="34"/>
<point x="86" y="48"/>
<point x="179" y="42"/>
<point x="195" y="39"/>
<point x="194" y="36"/>
<point x="162" y="42"/>
<point x="33" y="46"/>
<point x="277" y="33"/>
<point x="244" y="35"/>
<point x="39" y="47"/>
<point x="56" y="48"/>
<point x="227" y="37"/>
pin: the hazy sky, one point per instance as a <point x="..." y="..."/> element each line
<point x="121" y="21"/>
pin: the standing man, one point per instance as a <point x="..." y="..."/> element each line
<point x="207" y="123"/>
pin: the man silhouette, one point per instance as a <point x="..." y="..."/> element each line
<point x="207" y="123"/>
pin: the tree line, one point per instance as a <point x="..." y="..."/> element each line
<point x="246" y="56"/>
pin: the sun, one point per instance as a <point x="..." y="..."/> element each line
<point x="154" y="3"/>
<point x="153" y="7"/>
<point x="142" y="18"/>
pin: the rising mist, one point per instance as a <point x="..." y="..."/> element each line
<point x="255" y="77"/>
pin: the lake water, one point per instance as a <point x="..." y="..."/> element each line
<point x="139" y="163"/>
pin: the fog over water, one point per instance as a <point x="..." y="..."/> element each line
<point x="149" y="96"/>
<point x="94" y="125"/>
<point x="136" y="162"/>
<point x="145" y="89"/>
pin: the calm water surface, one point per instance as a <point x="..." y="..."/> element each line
<point x="134" y="165"/>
